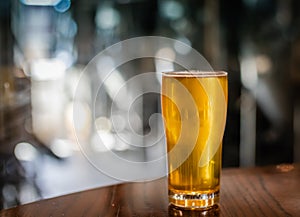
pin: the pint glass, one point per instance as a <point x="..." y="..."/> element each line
<point x="194" y="107"/>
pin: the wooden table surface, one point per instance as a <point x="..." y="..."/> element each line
<point x="262" y="191"/>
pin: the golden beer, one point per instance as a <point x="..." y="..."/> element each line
<point x="194" y="106"/>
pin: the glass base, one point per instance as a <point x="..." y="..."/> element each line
<point x="195" y="201"/>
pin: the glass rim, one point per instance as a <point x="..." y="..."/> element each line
<point x="195" y="73"/>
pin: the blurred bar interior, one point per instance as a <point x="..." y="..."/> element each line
<point x="45" y="44"/>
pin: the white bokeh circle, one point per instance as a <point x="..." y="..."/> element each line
<point x="101" y="67"/>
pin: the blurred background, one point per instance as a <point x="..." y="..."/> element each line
<point x="45" y="45"/>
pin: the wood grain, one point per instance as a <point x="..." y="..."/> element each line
<point x="268" y="191"/>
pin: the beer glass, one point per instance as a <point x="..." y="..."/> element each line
<point x="194" y="107"/>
